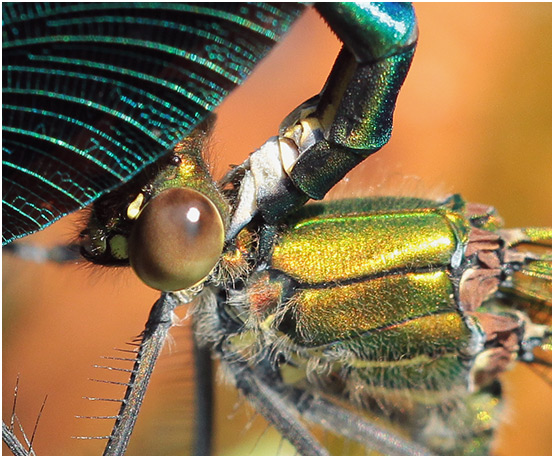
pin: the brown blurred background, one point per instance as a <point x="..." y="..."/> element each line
<point x="474" y="117"/>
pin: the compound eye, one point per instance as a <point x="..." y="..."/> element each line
<point x="176" y="240"/>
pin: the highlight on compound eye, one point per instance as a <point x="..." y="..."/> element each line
<point x="177" y="240"/>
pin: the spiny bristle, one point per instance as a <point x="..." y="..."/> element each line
<point x="109" y="381"/>
<point x="121" y="401"/>
<point x="126" y="350"/>
<point x="98" y="417"/>
<point x="36" y="424"/>
<point x="14" y="402"/>
<point x="116" y="358"/>
<point x="113" y="368"/>
<point x="25" y="438"/>
<point x="90" y="437"/>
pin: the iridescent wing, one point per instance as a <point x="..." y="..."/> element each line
<point x="93" y="92"/>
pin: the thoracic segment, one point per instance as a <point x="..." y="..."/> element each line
<point x="394" y="304"/>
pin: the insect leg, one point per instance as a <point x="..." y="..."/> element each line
<point x="354" y="110"/>
<point x="204" y="400"/>
<point x="331" y="133"/>
<point x="276" y="409"/>
<point x="12" y="442"/>
<point x="154" y="336"/>
<point x="357" y="428"/>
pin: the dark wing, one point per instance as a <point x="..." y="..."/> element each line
<point x="93" y="92"/>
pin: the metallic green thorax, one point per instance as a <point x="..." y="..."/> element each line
<point x="386" y="300"/>
<point x="370" y="242"/>
<point x="374" y="280"/>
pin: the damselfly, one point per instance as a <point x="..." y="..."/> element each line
<point x="422" y="87"/>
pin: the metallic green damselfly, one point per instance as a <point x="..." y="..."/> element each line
<point x="480" y="198"/>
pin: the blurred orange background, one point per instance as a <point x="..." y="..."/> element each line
<point x="474" y="117"/>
